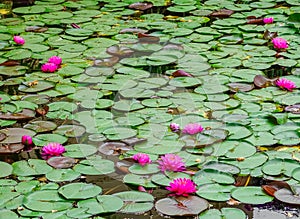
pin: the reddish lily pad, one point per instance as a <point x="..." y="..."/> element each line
<point x="10" y="148"/>
<point x="14" y="135"/>
<point x="120" y="51"/>
<point x="262" y="81"/>
<point x="25" y="114"/>
<point x="181" y="206"/>
<point x="61" y="162"/>
<point x="235" y="87"/>
<point x="41" y="126"/>
<point x="293" y="109"/>
<point x="141" y="5"/>
<point x="114" y="148"/>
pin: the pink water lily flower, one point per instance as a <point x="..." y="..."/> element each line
<point x="192" y="128"/>
<point x="280" y="43"/>
<point x="49" y="67"/>
<point x="268" y="20"/>
<point x="142" y="159"/>
<point x="27" y="142"/>
<point x="55" y="60"/>
<point x="285" y="84"/>
<point x="174" y="127"/>
<point x="182" y="187"/>
<point x="171" y="162"/>
<point x="19" y="40"/>
<point x="52" y="149"/>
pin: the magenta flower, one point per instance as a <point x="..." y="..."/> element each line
<point x="142" y="159"/>
<point x="192" y="128"/>
<point x="49" y="67"/>
<point x="27" y="142"/>
<point x="182" y="186"/>
<point x="55" y="60"/>
<point x="280" y="43"/>
<point x="285" y="84"/>
<point x="171" y="162"/>
<point x="19" y="40"/>
<point x="174" y="127"/>
<point x="51" y="150"/>
<point x="268" y="20"/>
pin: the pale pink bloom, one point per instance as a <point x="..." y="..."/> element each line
<point x="142" y="189"/>
<point x="285" y="84"/>
<point x="49" y="67"/>
<point x="142" y="159"/>
<point x="268" y="20"/>
<point x="27" y="142"/>
<point x="280" y="43"/>
<point x="174" y="127"/>
<point x="171" y="162"/>
<point x="182" y="187"/>
<point x="52" y="149"/>
<point x="192" y="128"/>
<point x="19" y="40"/>
<point x="55" y="60"/>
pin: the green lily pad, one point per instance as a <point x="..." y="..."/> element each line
<point x="44" y="139"/>
<point x="31" y="167"/>
<point x="79" y="190"/>
<point x="6" y="169"/>
<point x="215" y="192"/>
<point x="101" y="204"/>
<point x="61" y="175"/>
<point x="46" y="201"/>
<point x="95" y="166"/>
<point x="212" y="176"/>
<point x="139" y="180"/>
<point x="225" y="213"/>
<point x="79" y="150"/>
<point x="137" y="202"/>
<point x="118" y="133"/>
<point x="280" y="166"/>
<point x="251" y="195"/>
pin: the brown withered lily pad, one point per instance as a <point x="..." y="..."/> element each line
<point x="61" y="162"/>
<point x="223" y="13"/>
<point x="141" y="6"/>
<point x="10" y="148"/>
<point x="108" y="62"/>
<point x="146" y="38"/>
<point x="270" y="35"/>
<point x="114" y="148"/>
<point x="10" y="63"/>
<point x="133" y="141"/>
<point x="25" y="114"/>
<point x="120" y="51"/>
<point x="181" y="73"/>
<point x="14" y="135"/>
<point x="133" y="30"/>
<point x="261" y="81"/>
<point x="235" y="87"/>
<point x="255" y="20"/>
<point x="293" y="109"/>
<point x="274" y="186"/>
<point x="123" y="166"/>
<point x="36" y="29"/>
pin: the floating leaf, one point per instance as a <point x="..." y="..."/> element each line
<point x="251" y="195"/>
<point x="79" y="190"/>
<point x="181" y="206"/>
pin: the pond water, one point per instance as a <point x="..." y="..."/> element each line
<point x="125" y="100"/>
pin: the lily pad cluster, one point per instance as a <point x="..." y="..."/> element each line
<point x="129" y="70"/>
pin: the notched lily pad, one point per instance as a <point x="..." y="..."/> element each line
<point x="61" y="162"/>
<point x="25" y="114"/>
<point x="181" y="206"/>
<point x="114" y="148"/>
<point x="235" y="87"/>
<point x="295" y="109"/>
<point x="289" y="196"/>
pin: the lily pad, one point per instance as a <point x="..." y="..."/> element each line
<point x="79" y="190"/>
<point x="251" y="195"/>
<point x="181" y="206"/>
